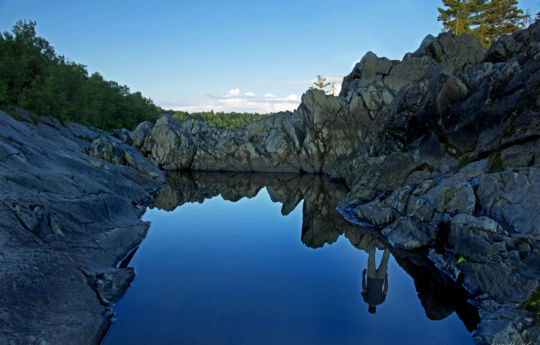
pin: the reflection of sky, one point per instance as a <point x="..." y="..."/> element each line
<point x="237" y="273"/>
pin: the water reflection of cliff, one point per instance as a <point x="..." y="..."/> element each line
<point x="322" y="223"/>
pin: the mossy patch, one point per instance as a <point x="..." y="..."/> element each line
<point x="533" y="304"/>
<point x="495" y="162"/>
<point x="463" y="161"/>
<point x="461" y="259"/>
<point x="15" y="115"/>
<point x="425" y="166"/>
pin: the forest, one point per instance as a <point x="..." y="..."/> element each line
<point x="33" y="77"/>
<point x="220" y="120"/>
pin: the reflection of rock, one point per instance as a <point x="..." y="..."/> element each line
<point x="322" y="224"/>
<point x="439" y="295"/>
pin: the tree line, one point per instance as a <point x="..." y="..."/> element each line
<point x="220" y="120"/>
<point x="35" y="78"/>
<point x="487" y="20"/>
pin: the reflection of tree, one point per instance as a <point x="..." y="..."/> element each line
<point x="322" y="223"/>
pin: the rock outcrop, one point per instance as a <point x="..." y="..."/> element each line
<point x="325" y="131"/>
<point x="67" y="219"/>
<point x="440" y="151"/>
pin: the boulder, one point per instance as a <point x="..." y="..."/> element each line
<point x="404" y="233"/>
<point x="472" y="237"/>
<point x="512" y="196"/>
<point x="113" y="151"/>
<point x="168" y="144"/>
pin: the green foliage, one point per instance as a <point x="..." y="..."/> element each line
<point x="220" y="119"/>
<point x="457" y="16"/>
<point x="495" y="162"/>
<point x="533" y="304"/>
<point x="34" y="78"/>
<point x="320" y="83"/>
<point x="425" y="166"/>
<point x="488" y="20"/>
<point x="463" y="161"/>
<point x="502" y="18"/>
<point x="461" y="259"/>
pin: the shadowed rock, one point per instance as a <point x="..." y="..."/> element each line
<point x="67" y="219"/>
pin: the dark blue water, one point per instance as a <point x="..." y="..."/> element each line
<point x="241" y="272"/>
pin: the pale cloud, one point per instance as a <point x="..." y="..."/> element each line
<point x="333" y="78"/>
<point x="234" y="100"/>
<point x="233" y="92"/>
<point x="238" y="101"/>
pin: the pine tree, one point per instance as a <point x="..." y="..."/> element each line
<point x="503" y="17"/>
<point x="487" y="20"/>
<point x="456" y="17"/>
<point x="479" y="26"/>
<point x="320" y="83"/>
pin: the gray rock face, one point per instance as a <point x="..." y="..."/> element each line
<point x="167" y="144"/>
<point x="403" y="233"/>
<point x="513" y="197"/>
<point x="473" y="238"/>
<point x="323" y="133"/>
<point x="439" y="148"/>
<point x="67" y="219"/>
<point x="113" y="151"/>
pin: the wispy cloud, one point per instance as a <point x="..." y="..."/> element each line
<point x="333" y="78"/>
<point x="235" y="100"/>
<point x="233" y="92"/>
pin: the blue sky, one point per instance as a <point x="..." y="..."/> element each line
<point x="227" y="55"/>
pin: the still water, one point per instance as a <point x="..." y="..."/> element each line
<point x="266" y="259"/>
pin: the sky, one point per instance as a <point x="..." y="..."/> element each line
<point x="246" y="56"/>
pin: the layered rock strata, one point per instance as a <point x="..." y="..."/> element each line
<point x="67" y="218"/>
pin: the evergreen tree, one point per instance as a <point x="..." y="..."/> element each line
<point x="456" y="17"/>
<point x="479" y="26"/>
<point x="321" y="83"/>
<point x="487" y="20"/>
<point x="503" y="17"/>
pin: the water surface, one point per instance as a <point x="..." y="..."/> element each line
<point x="267" y="259"/>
